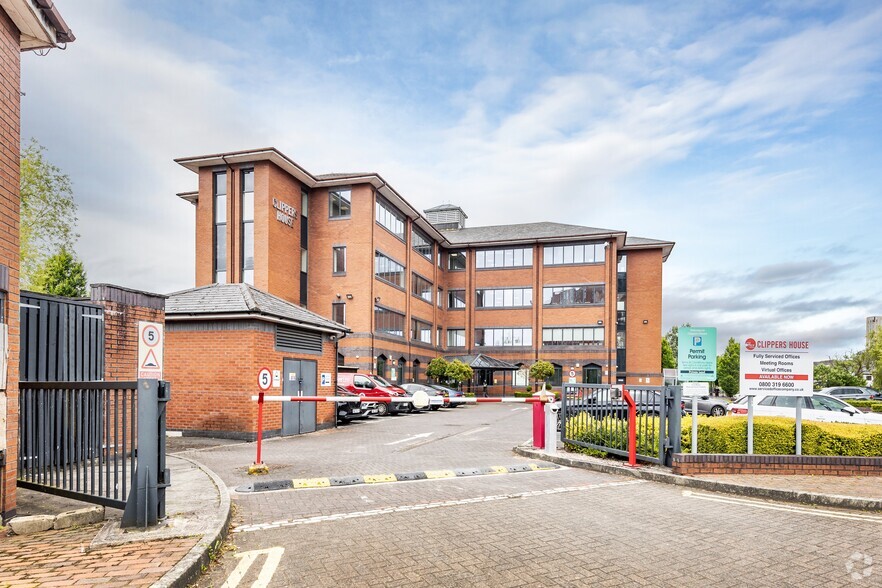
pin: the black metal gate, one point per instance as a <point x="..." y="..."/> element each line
<point x="595" y="416"/>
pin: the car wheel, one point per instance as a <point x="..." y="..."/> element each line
<point x="382" y="409"/>
<point x="436" y="407"/>
<point x="718" y="411"/>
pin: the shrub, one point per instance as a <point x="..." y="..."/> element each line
<point x="529" y="388"/>
<point x="519" y="394"/>
<point x="548" y="385"/>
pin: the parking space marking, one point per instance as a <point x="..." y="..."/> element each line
<point x="852" y="516"/>
<point x="246" y="558"/>
<point x="429" y="505"/>
<point x="411" y="438"/>
<point x="473" y="431"/>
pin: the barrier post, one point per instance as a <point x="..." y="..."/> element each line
<point x="539" y="425"/>
<point x="632" y="428"/>
<point x="551" y="425"/>
<point x="259" y="467"/>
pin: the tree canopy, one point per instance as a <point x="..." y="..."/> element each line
<point x="48" y="212"/>
<point x="437" y="369"/>
<point x="835" y="374"/>
<point x="541" y="370"/>
<point x="458" y="371"/>
<point x="668" y="358"/>
<point x="729" y="368"/>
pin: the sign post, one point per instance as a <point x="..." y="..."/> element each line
<point x="696" y="367"/>
<point x="149" y="350"/>
<point x="776" y="367"/>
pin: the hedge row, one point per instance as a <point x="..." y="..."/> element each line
<point x="771" y="436"/>
<point x="873" y="405"/>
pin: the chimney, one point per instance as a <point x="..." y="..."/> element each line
<point x="446" y="217"/>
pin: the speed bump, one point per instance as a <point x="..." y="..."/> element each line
<point x="380" y="478"/>
<point x="438" y="474"/>
<point x="311" y="483"/>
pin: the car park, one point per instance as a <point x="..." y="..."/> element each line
<point x="709" y="405"/>
<point x="850" y="392"/>
<point x="449" y="393"/>
<point x="817" y="407"/>
<point x="436" y="399"/>
<point x="366" y="385"/>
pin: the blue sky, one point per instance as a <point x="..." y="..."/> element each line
<point x="749" y="133"/>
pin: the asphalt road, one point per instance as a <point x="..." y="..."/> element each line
<point x="562" y="527"/>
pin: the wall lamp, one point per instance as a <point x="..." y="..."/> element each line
<point x="338" y="297"/>
<point x="645" y="322"/>
<point x="377" y="299"/>
<point x="349" y="297"/>
<point x="600" y="322"/>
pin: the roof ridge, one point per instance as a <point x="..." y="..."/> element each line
<point x="248" y="297"/>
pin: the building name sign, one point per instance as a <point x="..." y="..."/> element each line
<point x="776" y="366"/>
<point x="285" y="213"/>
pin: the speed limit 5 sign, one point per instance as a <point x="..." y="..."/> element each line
<point x="264" y="379"/>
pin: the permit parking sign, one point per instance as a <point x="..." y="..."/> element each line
<point x="781" y="366"/>
<point x="697" y="354"/>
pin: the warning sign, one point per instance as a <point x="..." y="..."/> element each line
<point x="149" y="350"/>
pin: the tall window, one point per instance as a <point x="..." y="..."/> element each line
<point x="390" y="218"/>
<point x="388" y="270"/>
<point x="388" y="321"/>
<point x="421" y="287"/>
<point x="339" y="202"/>
<point x="339" y="260"/>
<point x="456" y="337"/>
<point x="338" y="312"/>
<point x="516" y="337"/>
<point x="440" y="300"/>
<point x="421" y="243"/>
<point x="573" y="254"/>
<point x="220" y="227"/>
<point x="456" y="299"/>
<point x="304" y="246"/>
<point x="572" y="336"/>
<point x="503" y="297"/>
<point x="591" y="374"/>
<point x="456" y="260"/>
<point x="495" y="258"/>
<point x="248" y="226"/>
<point x="304" y="269"/>
<point x="580" y="295"/>
<point x="421" y="331"/>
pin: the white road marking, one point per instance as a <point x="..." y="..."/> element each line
<point x="425" y="506"/>
<point x="473" y="431"/>
<point x="519" y="408"/>
<point x="852" y="516"/>
<point x="413" y="438"/>
<point x="246" y="558"/>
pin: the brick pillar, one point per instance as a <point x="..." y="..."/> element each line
<point x="123" y="308"/>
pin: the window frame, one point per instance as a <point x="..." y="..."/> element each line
<point x="338" y="191"/>
<point x="334" y="250"/>
<point x="465" y="260"/>
<point x="558" y="254"/>
<point x="450" y="292"/>
<point x="455" y="331"/>
<point x="416" y="278"/>
<point x="402" y="271"/>
<point x="390" y="210"/>
<point x="597" y="285"/>
<point x="493" y="306"/>
<point x="390" y="312"/>
<point x="334" y="306"/>
<point x="507" y="261"/>
<point x="215" y="224"/>
<point x="415" y="232"/>
<point x="498" y="333"/>
<point x="243" y="173"/>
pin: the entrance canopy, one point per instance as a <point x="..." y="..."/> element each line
<point x="484" y="362"/>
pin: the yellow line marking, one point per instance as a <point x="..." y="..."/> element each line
<point x="436" y="474"/>
<point x="379" y="478"/>
<point x="311" y="483"/>
<point x="538" y="467"/>
<point x="498" y="470"/>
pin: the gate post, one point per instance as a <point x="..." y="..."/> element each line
<point x="673" y="432"/>
<point x="538" y="425"/>
<point x="146" y="501"/>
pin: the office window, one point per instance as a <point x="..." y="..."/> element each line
<point x="456" y="338"/>
<point x="304" y="283"/>
<point x="390" y="218"/>
<point x="438" y="337"/>
<point x="572" y="336"/>
<point x="496" y="258"/>
<point x="575" y="254"/>
<point x="440" y="300"/>
<point x="339" y="202"/>
<point x="247" y="226"/>
<point x="388" y="270"/>
<point x="421" y="287"/>
<point x="456" y="260"/>
<point x="388" y="321"/>
<point x="580" y="295"/>
<point x="421" y="243"/>
<point x="339" y="259"/>
<point x="456" y="299"/>
<point x="421" y="331"/>
<point x="220" y="227"/>
<point x="503" y="297"/>
<point x="504" y="337"/>
<point x="338" y="312"/>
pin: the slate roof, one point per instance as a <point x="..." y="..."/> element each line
<point x="343" y="175"/>
<point x="242" y="299"/>
<point x="522" y="232"/>
<point x="443" y="207"/>
<point x="482" y="361"/>
<point x="644" y="242"/>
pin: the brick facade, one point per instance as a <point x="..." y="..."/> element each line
<point x="814" y="465"/>
<point x="10" y="139"/>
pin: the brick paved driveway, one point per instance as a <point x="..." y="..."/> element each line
<point x="557" y="528"/>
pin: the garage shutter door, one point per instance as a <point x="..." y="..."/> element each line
<point x="291" y="339"/>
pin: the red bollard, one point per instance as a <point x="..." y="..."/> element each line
<point x="632" y="428"/>
<point x="259" y="426"/>
<point x="539" y="425"/>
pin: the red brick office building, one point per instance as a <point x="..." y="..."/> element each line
<point x="25" y="25"/>
<point x="412" y="286"/>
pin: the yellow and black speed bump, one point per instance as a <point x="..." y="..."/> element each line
<point x="388" y="478"/>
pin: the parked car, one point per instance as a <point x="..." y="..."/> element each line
<point x="449" y="393"/>
<point x="850" y="392"/>
<point x="389" y="386"/>
<point x="350" y="411"/>
<point x="710" y="405"/>
<point x="364" y="385"/>
<point x="436" y="399"/>
<point x="818" y="407"/>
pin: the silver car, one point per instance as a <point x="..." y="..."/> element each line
<point x="850" y="392"/>
<point x="711" y="405"/>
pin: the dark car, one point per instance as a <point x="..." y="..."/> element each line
<point x="349" y="411"/>
<point x="710" y="405"/>
<point x="436" y="399"/>
<point x="449" y="393"/>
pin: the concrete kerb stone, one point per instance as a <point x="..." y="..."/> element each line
<point x="31" y="524"/>
<point x="186" y="571"/>
<point x="80" y="516"/>
<point x="656" y="475"/>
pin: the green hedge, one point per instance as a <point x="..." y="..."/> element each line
<point x="873" y="405"/>
<point x="771" y="436"/>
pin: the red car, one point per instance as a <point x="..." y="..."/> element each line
<point x="370" y="385"/>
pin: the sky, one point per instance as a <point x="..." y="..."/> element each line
<point x="749" y="133"/>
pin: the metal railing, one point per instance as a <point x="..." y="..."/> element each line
<point x="595" y="416"/>
<point x="78" y="439"/>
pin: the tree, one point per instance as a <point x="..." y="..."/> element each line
<point x="48" y="212"/>
<point x="729" y="368"/>
<point x="61" y="275"/>
<point x="835" y="374"/>
<point x="541" y="371"/>
<point x="437" y="369"/>
<point x="458" y="372"/>
<point x="673" y="339"/>
<point x="668" y="359"/>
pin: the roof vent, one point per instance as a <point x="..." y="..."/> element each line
<point x="446" y="217"/>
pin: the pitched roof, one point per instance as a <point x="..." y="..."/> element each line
<point x="482" y="361"/>
<point x="237" y="299"/>
<point x="441" y="207"/>
<point x="644" y="243"/>
<point x="343" y="175"/>
<point x="524" y="232"/>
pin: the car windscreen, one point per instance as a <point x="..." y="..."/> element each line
<point x="824" y="403"/>
<point x="380" y="381"/>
